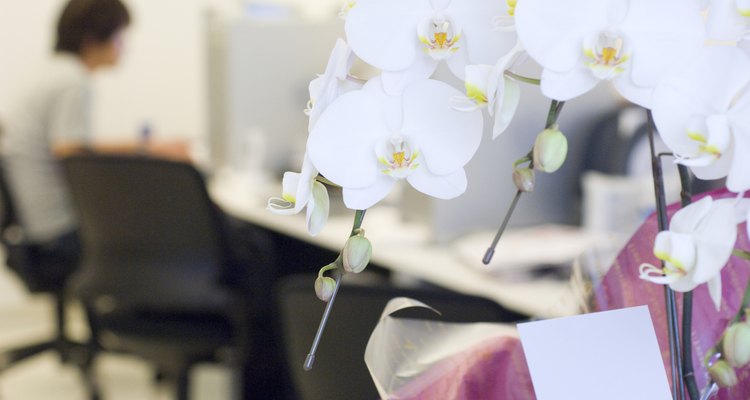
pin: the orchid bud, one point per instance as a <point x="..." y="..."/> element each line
<point x="524" y="179"/>
<point x="356" y="254"/>
<point x="550" y="150"/>
<point x="324" y="287"/>
<point x="722" y="373"/>
<point x="737" y="345"/>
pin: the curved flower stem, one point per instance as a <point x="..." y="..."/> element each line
<point x="525" y="79"/>
<point x="553" y="114"/>
<point x="743" y="254"/>
<point x="491" y="250"/>
<point x="675" y="354"/>
<point x="359" y="216"/>
<point x="688" y="371"/>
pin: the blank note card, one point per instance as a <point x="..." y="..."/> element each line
<point x="609" y="355"/>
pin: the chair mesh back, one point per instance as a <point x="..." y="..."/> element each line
<point x="149" y="230"/>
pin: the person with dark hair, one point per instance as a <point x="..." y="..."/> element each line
<point x="51" y="117"/>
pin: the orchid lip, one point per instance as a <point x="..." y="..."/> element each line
<point x="606" y="54"/>
<point x="440" y="35"/>
<point x="398" y="156"/>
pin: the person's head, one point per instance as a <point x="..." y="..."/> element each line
<point x="92" y="30"/>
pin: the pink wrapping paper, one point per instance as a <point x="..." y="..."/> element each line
<point x="496" y="369"/>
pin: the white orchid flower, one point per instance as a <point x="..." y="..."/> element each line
<point x="368" y="140"/>
<point x="407" y="39"/>
<point x="696" y="247"/>
<point x="633" y="43"/>
<point x="300" y="190"/>
<point x="488" y="87"/>
<point x="728" y="20"/>
<point x="334" y="82"/>
<point x="703" y="116"/>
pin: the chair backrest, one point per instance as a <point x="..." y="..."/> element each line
<point x="151" y="236"/>
<point x="340" y="371"/>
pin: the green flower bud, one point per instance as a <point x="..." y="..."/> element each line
<point x="550" y="150"/>
<point x="722" y="373"/>
<point x="357" y="253"/>
<point x="736" y="348"/>
<point x="324" y="287"/>
<point x="524" y="179"/>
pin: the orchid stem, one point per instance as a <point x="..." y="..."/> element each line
<point x="675" y="356"/>
<point x="359" y="217"/>
<point x="310" y="359"/>
<point x="491" y="250"/>
<point x="688" y="370"/>
<point x="525" y="79"/>
<point x="553" y="114"/>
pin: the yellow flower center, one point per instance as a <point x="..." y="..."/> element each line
<point x="440" y="36"/>
<point x="398" y="157"/>
<point x="605" y="56"/>
<point x="511" y="7"/>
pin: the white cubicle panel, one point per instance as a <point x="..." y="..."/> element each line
<point x="259" y="73"/>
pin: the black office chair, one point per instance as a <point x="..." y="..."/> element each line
<point x="154" y="255"/>
<point x="339" y="371"/>
<point x="42" y="272"/>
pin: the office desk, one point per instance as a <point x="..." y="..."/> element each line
<point x="403" y="248"/>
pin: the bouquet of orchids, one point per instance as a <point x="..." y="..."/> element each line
<point x="686" y="61"/>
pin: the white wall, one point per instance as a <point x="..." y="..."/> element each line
<point x="162" y="77"/>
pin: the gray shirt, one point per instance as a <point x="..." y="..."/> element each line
<point x="53" y="108"/>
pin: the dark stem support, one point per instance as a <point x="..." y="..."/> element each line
<point x="359" y="216"/>
<point x="688" y="371"/>
<point x="491" y="250"/>
<point x="675" y="353"/>
<point x="555" y="108"/>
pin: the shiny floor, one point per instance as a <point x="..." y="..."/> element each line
<point x="27" y="319"/>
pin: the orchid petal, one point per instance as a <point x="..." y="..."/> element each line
<point x="738" y="179"/>
<point x="715" y="237"/>
<point x="555" y="42"/>
<point x="664" y="35"/>
<point x="440" y="186"/>
<point x="317" y="209"/>
<point x="365" y="197"/>
<point x="382" y="32"/>
<point x="687" y="219"/>
<point x="683" y="285"/>
<point x="477" y="83"/>
<point x="483" y="43"/>
<point x="341" y="143"/>
<point x="632" y="92"/>
<point x="457" y="63"/>
<point x="394" y="82"/>
<point x="567" y="85"/>
<point x="507" y="108"/>
<point x="714" y="290"/>
<point x="713" y="168"/>
<point x="723" y="22"/>
<point x="678" y="249"/>
<point x="654" y="274"/>
<point x="446" y="137"/>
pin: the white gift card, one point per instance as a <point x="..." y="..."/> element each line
<point x="609" y="355"/>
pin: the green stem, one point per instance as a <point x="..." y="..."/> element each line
<point x="743" y="254"/>
<point x="323" y="179"/>
<point x="554" y="112"/>
<point x="359" y="217"/>
<point x="525" y="79"/>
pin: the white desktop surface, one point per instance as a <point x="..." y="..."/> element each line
<point x="404" y="248"/>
